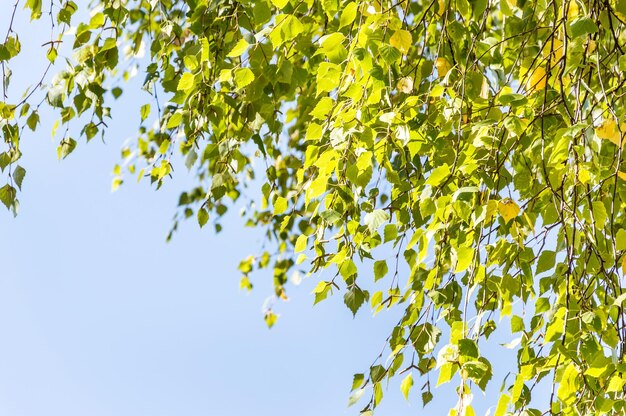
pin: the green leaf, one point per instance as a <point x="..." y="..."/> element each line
<point x="261" y="12"/>
<point x="314" y="132"/>
<point x="321" y="291"/>
<point x="546" y="261"/>
<point x="52" y="54"/>
<point x="164" y="147"/>
<point x="330" y="7"/>
<point x="5" y="160"/>
<point x="145" y="111"/>
<point x="287" y="27"/>
<point x="328" y="77"/>
<point x="582" y="26"/>
<point x="465" y="256"/>
<point x="401" y="40"/>
<point x="203" y="217"/>
<point x="619" y="300"/>
<point x="475" y="370"/>
<point x="377" y="373"/>
<point x="66" y="147"/>
<point x="18" y="176"/>
<point x="599" y="213"/>
<point x="347" y="269"/>
<point x="191" y="159"/>
<point x="380" y="269"/>
<point x="468" y="348"/>
<point x="620" y="239"/>
<point x="175" y="120"/>
<point x="96" y="21"/>
<point x="353" y="299"/>
<point x="280" y="205"/>
<point x="322" y="108"/>
<point x="375" y="219"/>
<point x="517" y="324"/>
<point x="390" y="54"/>
<point x="622" y="63"/>
<point x="7" y="195"/>
<point x="243" y="77"/>
<point x="238" y="49"/>
<point x="616" y="384"/>
<point x="332" y="46"/>
<point x="438" y="175"/>
<point x="357" y="381"/>
<point x="33" y="120"/>
<point x="425" y="338"/>
<point x="412" y="138"/>
<point x="568" y="383"/>
<point x="354" y="397"/>
<point x="35" y="8"/>
<point x="301" y="243"/>
<point x="186" y="82"/>
<point x="348" y="14"/>
<point x="280" y="3"/>
<point x="56" y="96"/>
<point x="391" y="232"/>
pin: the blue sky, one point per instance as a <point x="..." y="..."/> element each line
<point x="100" y="316"/>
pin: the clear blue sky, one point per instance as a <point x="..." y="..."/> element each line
<point x="100" y="316"/>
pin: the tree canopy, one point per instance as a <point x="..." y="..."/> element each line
<point x="458" y="160"/>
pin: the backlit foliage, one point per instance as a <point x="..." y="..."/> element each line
<point x="464" y="155"/>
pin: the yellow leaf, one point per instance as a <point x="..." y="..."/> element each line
<point x="465" y="256"/>
<point x="401" y="40"/>
<point x="608" y="131"/>
<point x="300" y="243"/>
<point x="406" y="385"/>
<point x="280" y="3"/>
<point x="503" y="403"/>
<point x="270" y="318"/>
<point x="622" y="175"/>
<point x="573" y="10"/>
<point x="441" y="7"/>
<point x="117" y="181"/>
<point x="446" y="372"/>
<point x="238" y="49"/>
<point x="508" y="209"/>
<point x="583" y="176"/>
<point x="624" y="265"/>
<point x="280" y="205"/>
<point x="568" y="384"/>
<point x="443" y="66"/>
<point x="555" y="50"/>
<point x="537" y="79"/>
<point x="484" y="89"/>
<point x="405" y="85"/>
<point x="374" y="7"/>
<point x="615" y="384"/>
<point x="591" y="46"/>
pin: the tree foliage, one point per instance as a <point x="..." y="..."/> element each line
<point x="463" y="158"/>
